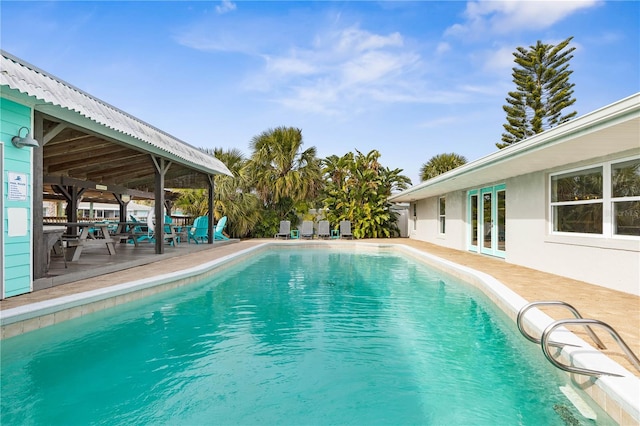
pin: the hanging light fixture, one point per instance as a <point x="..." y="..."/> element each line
<point x="20" y="141"/>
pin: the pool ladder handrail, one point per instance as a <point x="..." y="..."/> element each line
<point x="585" y="322"/>
<point x="546" y="334"/>
<point x="559" y="303"/>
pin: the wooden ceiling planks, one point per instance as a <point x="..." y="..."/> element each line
<point x="78" y="154"/>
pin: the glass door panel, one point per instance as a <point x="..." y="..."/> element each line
<point x="473" y="221"/>
<point x="487" y="220"/>
<point x="501" y="220"/>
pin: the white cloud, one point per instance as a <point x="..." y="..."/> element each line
<point x="319" y="99"/>
<point x="343" y="69"/>
<point x="354" y="40"/>
<point x="499" y="61"/>
<point x="225" y="7"/>
<point x="501" y="17"/>
<point x="441" y="122"/>
<point x="289" y="66"/>
<point x="372" y="67"/>
<point x="443" y="47"/>
<point x="336" y="70"/>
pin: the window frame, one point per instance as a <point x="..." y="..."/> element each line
<point x="607" y="201"/>
<point x="442" y="216"/>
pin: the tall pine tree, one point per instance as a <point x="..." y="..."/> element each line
<point x="542" y="91"/>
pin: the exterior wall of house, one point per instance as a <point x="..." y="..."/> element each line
<point x="608" y="262"/>
<point x="17" y="189"/>
<point x="425" y="225"/>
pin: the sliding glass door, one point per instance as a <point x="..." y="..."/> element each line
<point x="487" y="220"/>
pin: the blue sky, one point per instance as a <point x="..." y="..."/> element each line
<point x="410" y="79"/>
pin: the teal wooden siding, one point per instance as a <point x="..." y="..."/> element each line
<point x="17" y="249"/>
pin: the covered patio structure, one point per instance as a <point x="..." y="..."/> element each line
<point x="89" y="150"/>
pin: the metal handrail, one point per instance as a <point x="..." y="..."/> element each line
<point x="573" y="310"/>
<point x="581" y="321"/>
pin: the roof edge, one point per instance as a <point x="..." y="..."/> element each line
<point x="618" y="109"/>
<point x="201" y="158"/>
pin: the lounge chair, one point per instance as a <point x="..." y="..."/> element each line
<point x="324" y="229"/>
<point x="199" y="231"/>
<point x="285" y="230"/>
<point x="217" y="234"/>
<point x="345" y="229"/>
<point x="307" y="229"/>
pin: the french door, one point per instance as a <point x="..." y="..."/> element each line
<point x="487" y="220"/>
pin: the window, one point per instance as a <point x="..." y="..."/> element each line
<point x="602" y="200"/>
<point x="625" y="195"/>
<point x="441" y="213"/>
<point x="415" y="216"/>
<point x="576" y="199"/>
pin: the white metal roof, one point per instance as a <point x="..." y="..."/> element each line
<point x="612" y="129"/>
<point x="30" y="80"/>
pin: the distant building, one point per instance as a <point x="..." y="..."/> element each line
<point x="96" y="210"/>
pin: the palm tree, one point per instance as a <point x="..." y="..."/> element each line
<point x="233" y="197"/>
<point x="439" y="164"/>
<point x="283" y="173"/>
<point x="192" y="202"/>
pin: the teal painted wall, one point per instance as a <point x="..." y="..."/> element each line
<point x="17" y="249"/>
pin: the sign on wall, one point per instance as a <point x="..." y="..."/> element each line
<point x="17" y="186"/>
<point x="17" y="221"/>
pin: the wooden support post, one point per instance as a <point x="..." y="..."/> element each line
<point x="212" y="209"/>
<point x="39" y="249"/>
<point x="161" y="166"/>
<point x="122" y="210"/>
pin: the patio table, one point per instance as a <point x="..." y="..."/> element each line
<point x="84" y="238"/>
<point x="52" y="235"/>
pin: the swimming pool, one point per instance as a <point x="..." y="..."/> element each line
<point x="289" y="337"/>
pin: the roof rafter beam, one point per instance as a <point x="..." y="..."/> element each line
<point x="53" y="133"/>
<point x="115" y="189"/>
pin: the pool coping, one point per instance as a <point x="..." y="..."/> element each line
<point x="618" y="396"/>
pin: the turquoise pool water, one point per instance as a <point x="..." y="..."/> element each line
<point x="288" y="338"/>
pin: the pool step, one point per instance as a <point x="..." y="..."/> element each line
<point x="580" y="404"/>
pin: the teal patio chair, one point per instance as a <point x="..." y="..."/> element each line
<point x="169" y="231"/>
<point x="199" y="230"/>
<point x="169" y="234"/>
<point x="140" y="233"/>
<point x="217" y="234"/>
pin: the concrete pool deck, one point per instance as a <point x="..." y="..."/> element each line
<point x="619" y="310"/>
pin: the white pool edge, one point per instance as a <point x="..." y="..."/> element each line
<point x="618" y="396"/>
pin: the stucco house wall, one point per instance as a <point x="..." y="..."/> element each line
<point x="428" y="225"/>
<point x="609" y="262"/>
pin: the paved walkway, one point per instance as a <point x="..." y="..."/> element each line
<point x="619" y="310"/>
